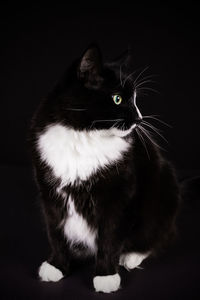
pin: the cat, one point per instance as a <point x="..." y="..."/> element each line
<point x="106" y="189"/>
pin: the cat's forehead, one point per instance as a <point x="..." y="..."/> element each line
<point x="117" y="82"/>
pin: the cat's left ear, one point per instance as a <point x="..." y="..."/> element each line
<point x="90" y="67"/>
<point x="124" y="60"/>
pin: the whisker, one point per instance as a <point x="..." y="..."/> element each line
<point x="107" y="120"/>
<point x="110" y="120"/>
<point x="141" y="92"/>
<point x="128" y="77"/>
<point x="152" y="126"/>
<point x="155" y="130"/>
<point x="140" y="74"/>
<point x="115" y="124"/>
<point x="143" y="82"/>
<point x="154" y="117"/>
<point x="123" y="126"/>
<point x="146" y="77"/>
<point x="150" y="89"/>
<point x="149" y="136"/>
<point x="142" y="141"/>
<point x="75" y="109"/>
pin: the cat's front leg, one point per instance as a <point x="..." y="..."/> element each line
<point x="106" y="278"/>
<point x="57" y="265"/>
<point x="48" y="272"/>
<point x="107" y="283"/>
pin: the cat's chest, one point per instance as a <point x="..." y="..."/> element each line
<point x="76" y="155"/>
<point x="77" y="230"/>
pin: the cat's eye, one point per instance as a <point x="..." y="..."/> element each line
<point x="117" y="99"/>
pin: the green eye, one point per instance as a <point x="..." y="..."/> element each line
<point x="117" y="99"/>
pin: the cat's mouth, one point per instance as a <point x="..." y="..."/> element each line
<point x="123" y="131"/>
<point x="117" y="127"/>
<point x="120" y="131"/>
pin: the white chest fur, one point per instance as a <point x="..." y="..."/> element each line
<point x="76" y="155"/>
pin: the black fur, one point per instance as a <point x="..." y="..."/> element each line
<point x="132" y="203"/>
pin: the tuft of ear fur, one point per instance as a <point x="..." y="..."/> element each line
<point x="90" y="67"/>
<point x="124" y="60"/>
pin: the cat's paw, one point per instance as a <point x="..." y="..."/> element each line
<point x="47" y="272"/>
<point x="107" y="284"/>
<point x="131" y="260"/>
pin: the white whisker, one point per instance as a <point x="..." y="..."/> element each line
<point x="154" y="117"/>
<point x="128" y="77"/>
<point x="110" y="120"/>
<point x="149" y="136"/>
<point x="140" y="74"/>
<point x="156" y="130"/>
<point x="143" y="82"/>
<point x="148" y="88"/>
<point x="142" y="141"/>
<point x="115" y="124"/>
<point x="146" y="77"/>
<point x="75" y="109"/>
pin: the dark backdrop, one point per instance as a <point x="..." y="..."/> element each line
<point x="39" y="42"/>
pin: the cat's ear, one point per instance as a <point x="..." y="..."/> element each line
<point x="124" y="60"/>
<point x="90" y="66"/>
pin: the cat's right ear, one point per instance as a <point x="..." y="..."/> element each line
<point x="124" y="60"/>
<point x="90" y="67"/>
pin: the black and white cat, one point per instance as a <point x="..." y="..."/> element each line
<point x="106" y="190"/>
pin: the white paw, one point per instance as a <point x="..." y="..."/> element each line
<point x="48" y="272"/>
<point x="131" y="260"/>
<point x="107" y="284"/>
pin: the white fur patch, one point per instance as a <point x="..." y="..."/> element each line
<point x="47" y="272"/>
<point x="77" y="229"/>
<point x="76" y="155"/>
<point x="107" y="284"/>
<point x="132" y="260"/>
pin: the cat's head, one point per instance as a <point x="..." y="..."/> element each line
<point x="99" y="96"/>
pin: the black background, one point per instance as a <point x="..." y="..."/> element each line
<point x="38" y="42"/>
